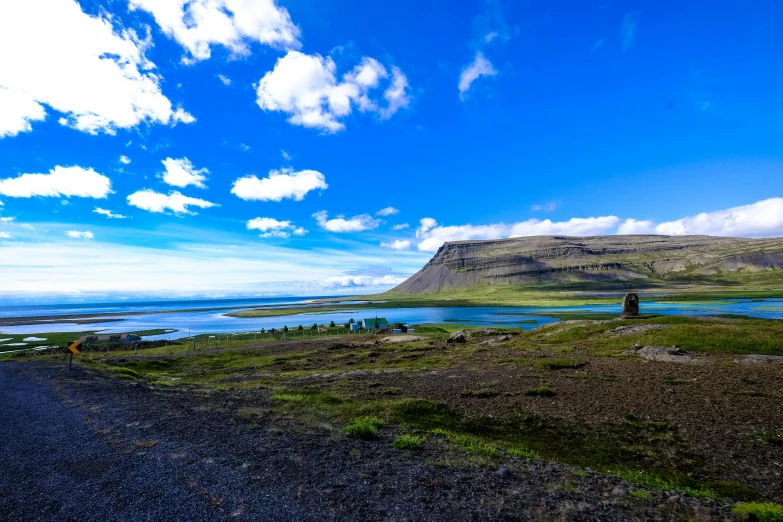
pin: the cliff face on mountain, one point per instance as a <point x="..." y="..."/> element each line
<point x="558" y="259"/>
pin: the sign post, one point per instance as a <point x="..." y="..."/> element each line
<point x="72" y="348"/>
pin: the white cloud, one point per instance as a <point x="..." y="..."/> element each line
<point x="271" y="227"/>
<point x="425" y="224"/>
<point x="5" y="235"/>
<point x="59" y="182"/>
<point x="396" y="94"/>
<point x="388" y="211"/>
<point x="307" y="89"/>
<point x="628" y="30"/>
<point x="197" y="25"/>
<point x="432" y="236"/>
<point x="6" y="219"/>
<point x="108" y="213"/>
<point x="125" y="160"/>
<point x="181" y="173"/>
<point x="549" y="206"/>
<point x="152" y="201"/>
<point x="224" y="79"/>
<point x="635" y="226"/>
<point x="286" y="156"/>
<point x="76" y="234"/>
<point x="573" y="227"/>
<point x="78" y="65"/>
<point x="17" y="110"/>
<point x="760" y="219"/>
<point x="340" y="224"/>
<point x="479" y="67"/>
<point x="279" y="185"/>
<point x="397" y="245"/>
<point x="401" y="226"/>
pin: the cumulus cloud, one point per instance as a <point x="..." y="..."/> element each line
<point x="5" y="235"/>
<point x="181" y="173"/>
<point x="636" y="226"/>
<point x="270" y="227"/>
<point x="125" y="160"/>
<point x="225" y="80"/>
<point x="341" y="224"/>
<point x="59" y="182"/>
<point x="397" y="245"/>
<point x="479" y="67"/>
<point x="96" y="77"/>
<point x="197" y="25"/>
<point x="76" y="234"/>
<point x="425" y="225"/>
<point x="433" y="236"/>
<point x="108" y="213"/>
<point x="401" y="226"/>
<point x="279" y="185"/>
<point x="152" y="201"/>
<point x="307" y="89"/>
<point x="388" y="211"/>
<point x="761" y="219"/>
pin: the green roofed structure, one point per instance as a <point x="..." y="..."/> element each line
<point x="374" y="323"/>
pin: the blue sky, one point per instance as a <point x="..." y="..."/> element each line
<point x="225" y="147"/>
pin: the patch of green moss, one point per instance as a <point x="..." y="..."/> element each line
<point x="760" y="512"/>
<point x="409" y="442"/>
<point x="365" y="428"/>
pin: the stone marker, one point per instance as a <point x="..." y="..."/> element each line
<point x="630" y="305"/>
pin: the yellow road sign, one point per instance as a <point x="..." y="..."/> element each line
<point x="74" y="347"/>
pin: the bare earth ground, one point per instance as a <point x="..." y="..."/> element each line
<point x="208" y="437"/>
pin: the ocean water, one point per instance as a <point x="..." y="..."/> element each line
<point x="216" y="321"/>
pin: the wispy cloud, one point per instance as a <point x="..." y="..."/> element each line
<point x="76" y="234"/>
<point x="549" y="206"/>
<point x="270" y="227"/>
<point x="628" y="30"/>
<point x="59" y="182"/>
<point x="388" y="211"/>
<point x="400" y="244"/>
<point x="489" y="28"/>
<point x="174" y="201"/>
<point x="479" y="67"/>
<point x="108" y="213"/>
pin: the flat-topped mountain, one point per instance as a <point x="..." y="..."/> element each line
<point x="559" y="259"/>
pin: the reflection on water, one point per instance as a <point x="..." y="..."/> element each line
<point x="193" y="323"/>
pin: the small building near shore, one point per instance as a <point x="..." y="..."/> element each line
<point x="374" y="323"/>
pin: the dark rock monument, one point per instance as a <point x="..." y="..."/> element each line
<point x="630" y="305"/>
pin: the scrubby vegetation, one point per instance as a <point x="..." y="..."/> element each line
<point x="482" y="399"/>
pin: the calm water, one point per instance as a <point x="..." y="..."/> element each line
<point x="192" y="323"/>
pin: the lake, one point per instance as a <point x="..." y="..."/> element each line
<point x="215" y="321"/>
